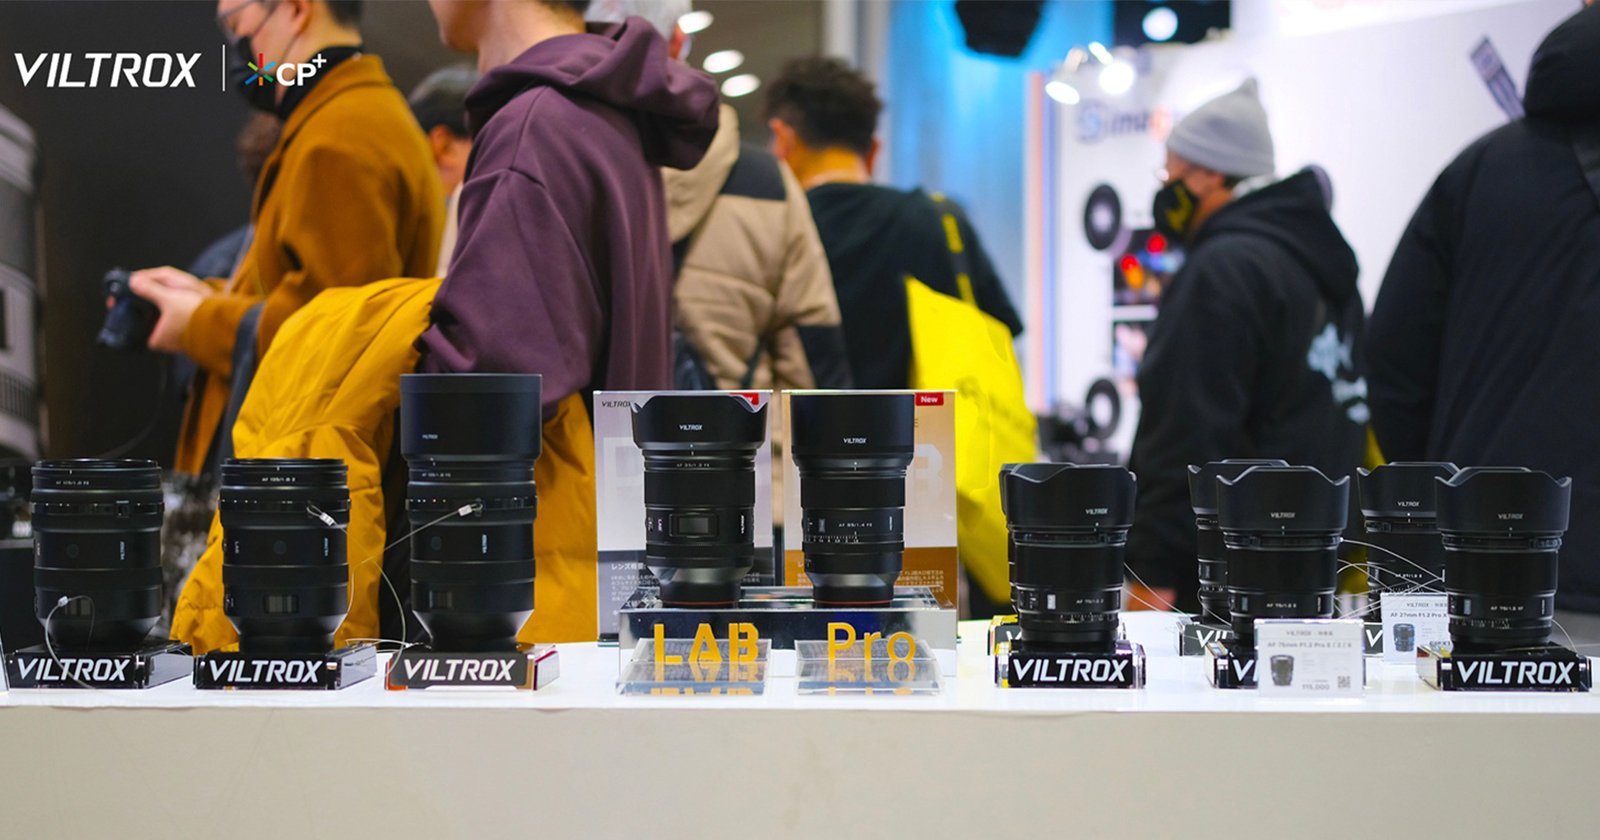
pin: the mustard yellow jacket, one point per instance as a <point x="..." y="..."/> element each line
<point x="329" y="389"/>
<point x="349" y="195"/>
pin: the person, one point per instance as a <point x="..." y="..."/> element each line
<point x="348" y="196"/>
<point x="439" y="103"/>
<point x="563" y="266"/>
<point x="823" y="116"/>
<point x="753" y="299"/>
<point x="562" y="202"/>
<point x="1482" y="339"/>
<point x="1256" y="351"/>
<point x="256" y="140"/>
<point x="191" y="500"/>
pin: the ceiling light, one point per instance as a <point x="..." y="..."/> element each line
<point x="1117" y="78"/>
<point x="1160" y="24"/>
<point x="722" y="61"/>
<point x="740" y="85"/>
<point x="1099" y="50"/>
<point x="695" y="21"/>
<point x="1062" y="92"/>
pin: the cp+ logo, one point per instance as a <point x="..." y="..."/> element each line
<point x="265" y="74"/>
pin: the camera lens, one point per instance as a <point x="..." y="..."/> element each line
<point x="1405" y="637"/>
<point x="285" y="576"/>
<point x="1069" y="527"/>
<point x="1502" y="530"/>
<point x="1397" y="506"/>
<point x="97" y="542"/>
<point x="1281" y="528"/>
<point x="852" y="451"/>
<point x="130" y="320"/>
<point x="1282" y="666"/>
<point x="471" y="440"/>
<point x="699" y="493"/>
<point x="1208" y="537"/>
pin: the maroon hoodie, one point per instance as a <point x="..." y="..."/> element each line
<point x="562" y="266"/>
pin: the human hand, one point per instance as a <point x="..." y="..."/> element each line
<point x="176" y="294"/>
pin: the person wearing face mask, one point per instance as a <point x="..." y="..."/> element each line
<point x="1257" y="349"/>
<point x="349" y="195"/>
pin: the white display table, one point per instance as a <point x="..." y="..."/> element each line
<point x="576" y="759"/>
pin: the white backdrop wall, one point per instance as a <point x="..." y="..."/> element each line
<point x="1380" y="93"/>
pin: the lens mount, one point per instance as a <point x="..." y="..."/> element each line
<point x="699" y="493"/>
<point x="1281" y="530"/>
<point x="97" y="543"/>
<point x="471" y="442"/>
<point x="1501" y="528"/>
<point x="1068" y="530"/>
<point x="1213" y="565"/>
<point x="852" y="451"/>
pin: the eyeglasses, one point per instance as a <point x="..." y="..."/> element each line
<point x="224" y="19"/>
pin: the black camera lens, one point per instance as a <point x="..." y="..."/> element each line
<point x="1405" y="637"/>
<point x="1282" y="666"/>
<point x="1502" y="529"/>
<point x="285" y="575"/>
<point x="1208" y="537"/>
<point x="699" y="493"/>
<point x="97" y="543"/>
<point x="1397" y="507"/>
<point x="1281" y="529"/>
<point x="131" y="318"/>
<point x="471" y="440"/>
<point x="1069" y="528"/>
<point x="852" y="451"/>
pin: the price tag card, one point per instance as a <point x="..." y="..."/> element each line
<point x="1413" y="621"/>
<point x="1307" y="658"/>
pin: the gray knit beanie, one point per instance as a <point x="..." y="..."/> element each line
<point x="1228" y="134"/>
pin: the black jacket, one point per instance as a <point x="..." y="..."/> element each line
<point x="874" y="237"/>
<point x="1256" y="353"/>
<point x="1485" y="339"/>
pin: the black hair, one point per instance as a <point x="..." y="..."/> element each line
<point x="577" y="7"/>
<point x="440" y="99"/>
<point x="827" y="102"/>
<point x="346" y="12"/>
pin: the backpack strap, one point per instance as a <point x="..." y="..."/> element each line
<point x="1586" y="143"/>
<point x="960" y="260"/>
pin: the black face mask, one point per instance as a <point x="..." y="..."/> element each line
<point x="1174" y="210"/>
<point x="262" y="97"/>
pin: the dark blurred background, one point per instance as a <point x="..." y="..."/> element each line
<point x="137" y="178"/>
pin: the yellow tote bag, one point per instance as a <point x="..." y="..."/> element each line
<point x="957" y="346"/>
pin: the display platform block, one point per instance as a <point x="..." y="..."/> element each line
<point x="150" y="666"/>
<point x="784" y="615"/>
<point x="528" y="670"/>
<point x="896" y="665"/>
<point x="1230" y="666"/>
<point x="1543" y="668"/>
<point x="686" y="667"/>
<point x="1018" y="666"/>
<point x="1195" y="633"/>
<point x="330" y="671"/>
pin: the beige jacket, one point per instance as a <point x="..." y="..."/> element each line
<point x="754" y="274"/>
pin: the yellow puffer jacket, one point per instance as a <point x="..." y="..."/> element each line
<point x="329" y="388"/>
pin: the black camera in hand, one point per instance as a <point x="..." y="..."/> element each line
<point x="131" y="318"/>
